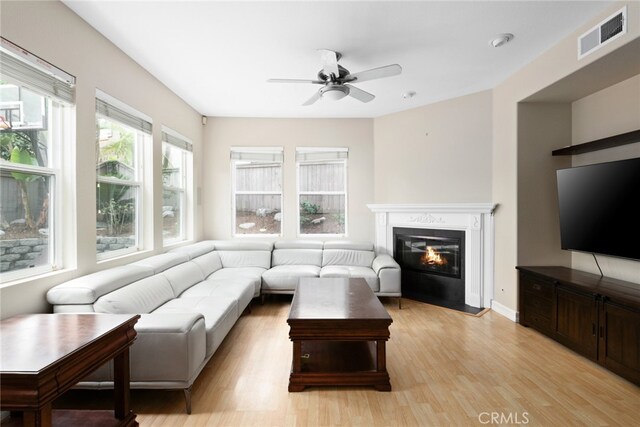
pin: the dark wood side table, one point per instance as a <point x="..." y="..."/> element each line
<point x="339" y="331"/>
<point x="44" y="355"/>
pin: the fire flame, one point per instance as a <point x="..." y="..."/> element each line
<point x="431" y="257"/>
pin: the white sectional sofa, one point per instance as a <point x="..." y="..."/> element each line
<point x="190" y="298"/>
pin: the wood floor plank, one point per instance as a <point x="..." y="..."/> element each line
<point x="446" y="368"/>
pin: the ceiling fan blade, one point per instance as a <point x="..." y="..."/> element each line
<point x="329" y="62"/>
<point x="375" y="73"/>
<point x="360" y="94"/>
<point x="294" y="81"/>
<point x="313" y="99"/>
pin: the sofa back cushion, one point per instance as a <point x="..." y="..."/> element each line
<point x="142" y="296"/>
<point x="196" y="249"/>
<point x="297" y="257"/>
<point x="347" y="257"/>
<point x="349" y="245"/>
<point x="87" y="289"/>
<point x="183" y="276"/>
<point x="235" y="253"/>
<point x="162" y="262"/>
<point x="208" y="263"/>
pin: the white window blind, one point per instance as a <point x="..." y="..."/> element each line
<point x="321" y="154"/>
<point x="111" y="111"/>
<point x="39" y="76"/>
<point x="177" y="141"/>
<point x="257" y="154"/>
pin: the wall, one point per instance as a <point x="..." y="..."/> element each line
<point x="223" y="133"/>
<point x="605" y="113"/>
<point x="560" y="70"/>
<point x="54" y="33"/>
<point x="542" y="127"/>
<point x="438" y="153"/>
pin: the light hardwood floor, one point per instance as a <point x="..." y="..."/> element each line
<point x="446" y="368"/>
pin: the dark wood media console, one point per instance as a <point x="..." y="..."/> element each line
<point x="595" y="316"/>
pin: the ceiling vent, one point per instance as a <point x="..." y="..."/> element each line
<point x="609" y="29"/>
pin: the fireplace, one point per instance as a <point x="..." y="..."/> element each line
<point x="473" y="220"/>
<point x="432" y="262"/>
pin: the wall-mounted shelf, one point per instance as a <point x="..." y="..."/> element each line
<point x="599" y="144"/>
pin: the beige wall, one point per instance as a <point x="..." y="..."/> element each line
<point x="223" y="133"/>
<point x="608" y="112"/>
<point x="54" y="33"/>
<point x="438" y="153"/>
<point x="556" y="69"/>
<point x="542" y="127"/>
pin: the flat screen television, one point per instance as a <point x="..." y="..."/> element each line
<point x="600" y="208"/>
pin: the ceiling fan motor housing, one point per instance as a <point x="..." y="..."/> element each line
<point x="342" y="73"/>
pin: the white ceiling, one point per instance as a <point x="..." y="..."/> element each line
<point x="217" y="56"/>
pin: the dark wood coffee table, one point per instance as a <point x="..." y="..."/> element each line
<point x="339" y="331"/>
<point x="44" y="355"/>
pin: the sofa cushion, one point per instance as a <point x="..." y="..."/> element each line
<point x="297" y="257"/>
<point x="252" y="273"/>
<point x="208" y="263"/>
<point x="348" y="244"/>
<point x="240" y="289"/>
<point x="142" y="296"/>
<point x="347" y="257"/>
<point x="87" y="289"/>
<point x="183" y="276"/>
<point x="234" y="259"/>
<point x="286" y="277"/>
<point x="160" y="263"/>
<point x="243" y="245"/>
<point x="219" y="314"/>
<point x="196" y="249"/>
<point x="353" y="272"/>
<point x="298" y="244"/>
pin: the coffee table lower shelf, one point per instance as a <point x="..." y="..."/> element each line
<point x="339" y="363"/>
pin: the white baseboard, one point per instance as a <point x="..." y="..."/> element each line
<point x="504" y="311"/>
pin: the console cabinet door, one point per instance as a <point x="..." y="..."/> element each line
<point x="576" y="321"/>
<point x="619" y="340"/>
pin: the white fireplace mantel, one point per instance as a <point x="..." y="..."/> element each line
<point x="475" y="219"/>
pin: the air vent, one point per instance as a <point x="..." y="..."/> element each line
<point x="609" y="29"/>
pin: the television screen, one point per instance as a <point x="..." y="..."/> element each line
<point x="600" y="208"/>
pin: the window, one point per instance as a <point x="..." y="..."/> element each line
<point x="257" y="190"/>
<point x="35" y="162"/>
<point x="322" y="190"/>
<point x="122" y="135"/>
<point x="177" y="166"/>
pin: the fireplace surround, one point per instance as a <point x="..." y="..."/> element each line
<point x="474" y="219"/>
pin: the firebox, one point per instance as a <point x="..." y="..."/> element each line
<point x="432" y="262"/>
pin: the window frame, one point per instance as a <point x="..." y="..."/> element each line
<point x="57" y="89"/>
<point x="345" y="162"/>
<point x="185" y="146"/>
<point x="277" y="152"/>
<point x="143" y="137"/>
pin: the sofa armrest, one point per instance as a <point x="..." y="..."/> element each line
<point x="388" y="271"/>
<point x="384" y="261"/>
<point x="168" y="347"/>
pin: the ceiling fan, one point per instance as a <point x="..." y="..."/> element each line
<point x="335" y="79"/>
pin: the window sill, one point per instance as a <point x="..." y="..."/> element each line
<point x="48" y="273"/>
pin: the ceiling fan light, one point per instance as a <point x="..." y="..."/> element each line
<point x="334" y="92"/>
<point x="334" y="95"/>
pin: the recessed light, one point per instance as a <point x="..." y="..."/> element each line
<point x="501" y="40"/>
